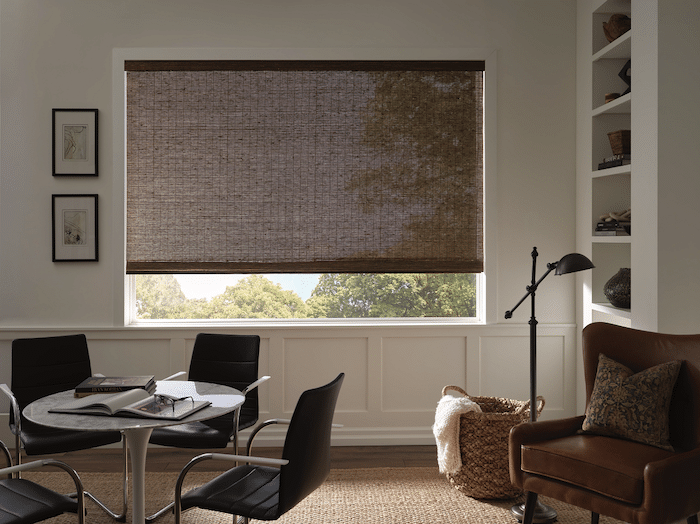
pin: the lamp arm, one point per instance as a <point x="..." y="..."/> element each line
<point x="532" y="288"/>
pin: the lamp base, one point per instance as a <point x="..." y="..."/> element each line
<point x="543" y="514"/>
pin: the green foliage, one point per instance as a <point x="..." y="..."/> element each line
<point x="365" y="295"/>
<point x="375" y="295"/>
<point x="159" y="297"/>
<point x="257" y="297"/>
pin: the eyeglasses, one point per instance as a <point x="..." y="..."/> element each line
<point x="167" y="400"/>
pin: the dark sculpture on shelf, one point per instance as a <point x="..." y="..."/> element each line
<point x="617" y="289"/>
<point x="626" y="75"/>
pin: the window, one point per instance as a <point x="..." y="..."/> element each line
<point x="369" y="174"/>
<point x="304" y="296"/>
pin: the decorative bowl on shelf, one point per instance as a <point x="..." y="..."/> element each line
<point x="609" y="97"/>
<point x="617" y="26"/>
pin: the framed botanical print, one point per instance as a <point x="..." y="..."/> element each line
<point x="74" y="223"/>
<point x="74" y="142"/>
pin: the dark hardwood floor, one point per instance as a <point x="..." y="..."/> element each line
<point x="172" y="459"/>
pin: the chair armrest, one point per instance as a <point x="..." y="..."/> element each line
<point x="174" y="375"/>
<point x="14" y="405"/>
<point x="270" y="422"/>
<point x="10" y="470"/>
<point x="535" y="432"/>
<point x="262" y="461"/>
<point x="260" y="426"/>
<point x="674" y="484"/>
<point x="255" y="384"/>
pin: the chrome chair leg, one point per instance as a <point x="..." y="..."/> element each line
<point x="119" y="517"/>
<point x="160" y="512"/>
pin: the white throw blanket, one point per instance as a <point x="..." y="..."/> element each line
<point x="446" y="431"/>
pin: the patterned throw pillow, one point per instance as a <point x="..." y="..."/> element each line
<point x="632" y="405"/>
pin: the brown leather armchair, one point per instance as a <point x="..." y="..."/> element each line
<point x="624" y="479"/>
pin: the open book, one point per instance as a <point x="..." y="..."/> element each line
<point x="133" y="403"/>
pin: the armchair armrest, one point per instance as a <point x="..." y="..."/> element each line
<point x="535" y="432"/>
<point x="255" y="384"/>
<point x="673" y="480"/>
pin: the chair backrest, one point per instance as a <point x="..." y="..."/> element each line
<point x="307" y="445"/>
<point x="230" y="360"/>
<point x="42" y="366"/>
<point x="639" y="350"/>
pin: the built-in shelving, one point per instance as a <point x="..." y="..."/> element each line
<point x="611" y="188"/>
<point x="605" y="307"/>
<point x="619" y="48"/>
<point x="622" y="105"/>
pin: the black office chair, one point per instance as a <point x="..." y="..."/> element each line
<point x="265" y="489"/>
<point x="230" y="360"/>
<point x="25" y="502"/>
<point x="41" y="367"/>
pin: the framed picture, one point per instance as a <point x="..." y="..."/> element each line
<point x="74" y="223"/>
<point x="74" y="142"/>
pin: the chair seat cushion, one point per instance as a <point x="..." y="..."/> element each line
<point x="250" y="491"/>
<point x="23" y="501"/>
<point x="192" y="435"/>
<point x="42" y="440"/>
<point x="610" y="466"/>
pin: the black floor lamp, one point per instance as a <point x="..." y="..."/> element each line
<point x="570" y="263"/>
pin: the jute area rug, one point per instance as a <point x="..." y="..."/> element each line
<point x="349" y="496"/>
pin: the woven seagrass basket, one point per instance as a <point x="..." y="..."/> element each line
<point x="483" y="442"/>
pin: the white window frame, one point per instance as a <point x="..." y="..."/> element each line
<point x="124" y="310"/>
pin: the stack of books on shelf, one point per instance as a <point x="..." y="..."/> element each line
<point x="99" y="384"/>
<point x="615" y="161"/>
<point x="612" y="228"/>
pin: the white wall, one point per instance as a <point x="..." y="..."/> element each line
<point x="60" y="54"/>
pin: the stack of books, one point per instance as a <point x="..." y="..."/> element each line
<point x="612" y="228"/>
<point x="93" y="385"/>
<point x="615" y="160"/>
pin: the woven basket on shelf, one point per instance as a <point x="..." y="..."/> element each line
<point x="483" y="442"/>
<point x="620" y="142"/>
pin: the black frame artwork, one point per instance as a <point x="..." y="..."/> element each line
<point x="74" y="144"/>
<point x="74" y="228"/>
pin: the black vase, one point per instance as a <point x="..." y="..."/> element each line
<point x="617" y="289"/>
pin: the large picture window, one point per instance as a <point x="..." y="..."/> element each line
<point x="331" y="168"/>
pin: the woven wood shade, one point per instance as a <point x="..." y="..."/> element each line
<point x="304" y="167"/>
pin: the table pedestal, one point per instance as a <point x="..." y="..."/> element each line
<point x="137" y="441"/>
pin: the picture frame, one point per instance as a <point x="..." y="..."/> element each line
<point x="74" y="228"/>
<point x="74" y="145"/>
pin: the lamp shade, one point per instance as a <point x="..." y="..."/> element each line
<point x="572" y="263"/>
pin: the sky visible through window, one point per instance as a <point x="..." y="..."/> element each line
<point x="208" y="286"/>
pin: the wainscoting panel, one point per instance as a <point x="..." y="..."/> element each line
<point x="509" y="356"/>
<point x="415" y="369"/>
<point x="394" y="374"/>
<point x="309" y="363"/>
